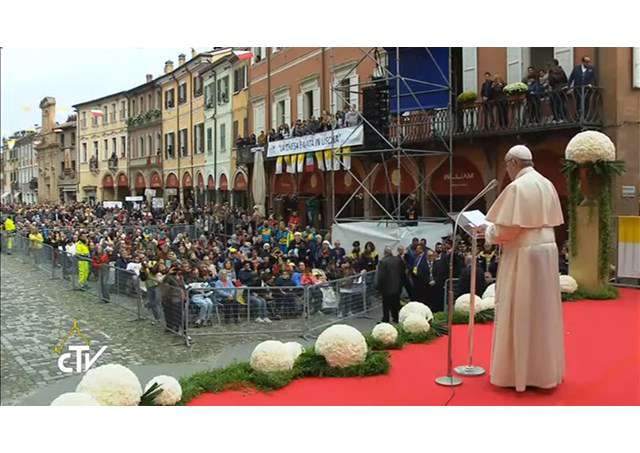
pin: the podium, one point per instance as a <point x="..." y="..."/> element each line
<point x="469" y="222"/>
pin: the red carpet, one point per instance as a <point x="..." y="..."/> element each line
<point x="602" y="368"/>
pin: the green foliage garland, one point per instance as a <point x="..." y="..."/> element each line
<point x="605" y="293"/>
<point x="570" y="169"/>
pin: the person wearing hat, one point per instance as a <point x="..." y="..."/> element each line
<point x="528" y="337"/>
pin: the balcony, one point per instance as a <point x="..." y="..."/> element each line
<point x="578" y="108"/>
<point x="146" y="161"/>
<point x="149" y="118"/>
<point x="112" y="163"/>
<point x="244" y="155"/>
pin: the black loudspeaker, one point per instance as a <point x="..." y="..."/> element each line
<point x="375" y="109"/>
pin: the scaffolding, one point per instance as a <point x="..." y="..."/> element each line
<point x="394" y="150"/>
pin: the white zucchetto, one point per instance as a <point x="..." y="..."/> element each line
<point x="519" y="152"/>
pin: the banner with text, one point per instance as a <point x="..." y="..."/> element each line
<point x="346" y="136"/>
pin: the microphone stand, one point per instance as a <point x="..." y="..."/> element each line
<point x="450" y="380"/>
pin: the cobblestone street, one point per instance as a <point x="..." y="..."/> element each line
<point x="37" y="312"/>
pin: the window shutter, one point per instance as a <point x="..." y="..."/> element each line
<point x="316" y="102"/>
<point x="470" y="69"/>
<point x="636" y="67"/>
<point x="287" y="111"/>
<point x="354" y="91"/>
<point x="564" y="55"/>
<point x="300" y="107"/>
<point x="514" y="64"/>
<point x="274" y="112"/>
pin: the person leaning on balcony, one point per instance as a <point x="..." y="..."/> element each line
<point x="582" y="78"/>
<point x="262" y="139"/>
<point x="351" y="118"/>
<point x="500" y="99"/>
<point x="486" y="92"/>
<point x="557" y="79"/>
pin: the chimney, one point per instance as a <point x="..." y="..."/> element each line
<point x="168" y="66"/>
<point x="181" y="59"/>
<point x="149" y="77"/>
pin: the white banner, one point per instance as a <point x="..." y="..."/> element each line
<point x="347" y="136"/>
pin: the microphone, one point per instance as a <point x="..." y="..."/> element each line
<point x="492" y="184"/>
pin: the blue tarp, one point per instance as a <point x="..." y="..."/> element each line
<point x="426" y="66"/>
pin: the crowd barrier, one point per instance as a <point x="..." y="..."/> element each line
<point x="200" y="309"/>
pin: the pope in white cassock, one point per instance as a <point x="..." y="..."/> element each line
<point x="528" y="342"/>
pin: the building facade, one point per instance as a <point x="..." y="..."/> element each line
<point x="239" y="103"/>
<point x="25" y="168"/>
<point x="144" y="127"/>
<point x="57" y="157"/>
<point x="102" y="148"/>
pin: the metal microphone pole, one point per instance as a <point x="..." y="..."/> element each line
<point x="450" y="380"/>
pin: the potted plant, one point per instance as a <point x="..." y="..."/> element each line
<point x="516" y="91"/>
<point x="467" y="98"/>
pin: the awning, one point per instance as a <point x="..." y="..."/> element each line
<point x="224" y="184"/>
<point x="123" y="181"/>
<point x="240" y="183"/>
<point x="107" y="182"/>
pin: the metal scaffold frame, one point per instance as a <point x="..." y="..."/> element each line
<point x="395" y="151"/>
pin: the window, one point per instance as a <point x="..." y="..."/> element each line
<point x="150" y="145"/>
<point x="197" y="86"/>
<point x="83" y="121"/>
<point x="94" y="121"/>
<point x="198" y="133"/>
<point x="158" y="142"/>
<point x="134" y="107"/>
<point x="235" y="130"/>
<point x="73" y="138"/>
<point x="182" y="142"/>
<point x="158" y="99"/>
<point x="95" y="150"/>
<point x="223" y="90"/>
<point x="105" y="117"/>
<point x="208" y="96"/>
<point x="344" y="96"/>
<point x="309" y="100"/>
<point x="258" y="118"/>
<point x="169" y="140"/>
<point x="169" y="99"/>
<point x="114" y="145"/>
<point x="106" y="149"/>
<point x="259" y="54"/>
<point x="276" y="49"/>
<point x="84" y="153"/>
<point x="140" y="152"/>
<point x="308" y="104"/>
<point x="123" y="146"/>
<point x="209" y="140"/>
<point x="636" y="67"/>
<point x="123" y="110"/>
<point x="182" y="93"/>
<point x="62" y="139"/>
<point x="150" y="101"/>
<point x="113" y="112"/>
<point x="239" y="79"/>
<point x="223" y="138"/>
<point x="142" y="106"/>
<point x="280" y="113"/>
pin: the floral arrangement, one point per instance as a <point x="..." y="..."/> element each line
<point x="490" y="291"/>
<point x="486" y="303"/>
<point x="112" y="385"/>
<point x="415" y="323"/>
<point x="417" y="308"/>
<point x="75" y="399"/>
<point x="467" y="97"/>
<point x="568" y="284"/>
<point x="295" y="349"/>
<point x="590" y="146"/>
<point x="385" y="333"/>
<point x="271" y="356"/>
<point x="463" y="303"/>
<point x="590" y="167"/>
<point x="171" y="392"/>
<point x="515" y="88"/>
<point x="342" y="346"/>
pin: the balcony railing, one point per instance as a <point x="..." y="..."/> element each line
<point x="146" y="161"/>
<point x="580" y="107"/>
<point x="144" y="119"/>
<point x="244" y="155"/>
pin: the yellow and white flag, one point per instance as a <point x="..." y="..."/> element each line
<point x="300" y="159"/>
<point x="629" y="246"/>
<point x="291" y="163"/>
<point x="346" y="157"/>
<point x="320" y="160"/>
<point x="279" y="165"/>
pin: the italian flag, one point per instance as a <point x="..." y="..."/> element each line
<point x="629" y="246"/>
<point x="309" y="166"/>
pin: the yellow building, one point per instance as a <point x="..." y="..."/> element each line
<point x="240" y="158"/>
<point x="102" y="148"/>
<point x="183" y="126"/>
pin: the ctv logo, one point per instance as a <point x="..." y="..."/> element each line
<point x="83" y="358"/>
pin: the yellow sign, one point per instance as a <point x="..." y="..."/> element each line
<point x="74" y="331"/>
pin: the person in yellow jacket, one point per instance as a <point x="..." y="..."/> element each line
<point x="82" y="253"/>
<point x="35" y="244"/>
<point x="10" y="231"/>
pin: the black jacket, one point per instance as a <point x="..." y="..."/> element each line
<point x="390" y="275"/>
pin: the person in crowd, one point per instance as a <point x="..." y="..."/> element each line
<point x="100" y="264"/>
<point x="351" y="118"/>
<point x="83" y="260"/>
<point x="369" y="257"/>
<point x="486" y="94"/>
<point x="153" y="275"/>
<point x="10" y="230"/>
<point x="535" y="91"/>
<point x="197" y="288"/>
<point x="35" y="243"/>
<point x="500" y="101"/>
<point x="226" y="295"/>
<point x="464" y="283"/>
<point x="420" y="275"/>
<point x="582" y="79"/>
<point x="389" y="280"/>
<point x="174" y="297"/>
<point x="557" y="84"/>
<point x="531" y="74"/>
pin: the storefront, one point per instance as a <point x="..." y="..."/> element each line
<point x="240" y="191"/>
<point x="155" y="182"/>
<point x="140" y="184"/>
<point x="108" y="188"/>
<point x="466" y="182"/>
<point x="223" y="196"/>
<point x="211" y="190"/>
<point x="172" y="190"/>
<point x="123" y="187"/>
<point x="187" y="189"/>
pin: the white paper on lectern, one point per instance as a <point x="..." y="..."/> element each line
<point x="475" y="218"/>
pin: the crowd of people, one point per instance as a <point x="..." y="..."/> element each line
<point x="326" y="122"/>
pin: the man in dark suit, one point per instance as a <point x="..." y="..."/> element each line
<point x="486" y="91"/>
<point x="464" y="284"/>
<point x="582" y="78"/>
<point x="420" y="275"/>
<point x="389" y="281"/>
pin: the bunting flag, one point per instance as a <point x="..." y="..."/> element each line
<point x="346" y="158"/>
<point x="278" y="165"/>
<point x="337" y="154"/>
<point x="328" y="161"/>
<point x="291" y="164"/>
<point x="320" y="159"/>
<point x="309" y="166"/>
<point x="300" y="162"/>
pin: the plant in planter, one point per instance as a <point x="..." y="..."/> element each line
<point x="467" y="98"/>
<point x="590" y="167"/>
<point x="516" y="90"/>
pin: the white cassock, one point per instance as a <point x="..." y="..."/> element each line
<point x="528" y="336"/>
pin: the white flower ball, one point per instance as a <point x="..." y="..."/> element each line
<point x="111" y="385"/>
<point x="568" y="284"/>
<point x="414" y="323"/>
<point x="590" y="146"/>
<point x="385" y="333"/>
<point x="415" y="307"/>
<point x="490" y="291"/>
<point x="171" y="390"/>
<point x="295" y="349"/>
<point x="463" y="303"/>
<point x="75" y="399"/>
<point x="270" y="356"/>
<point x="486" y="303"/>
<point x="342" y="346"/>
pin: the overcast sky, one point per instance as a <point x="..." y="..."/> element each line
<point x="71" y="76"/>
